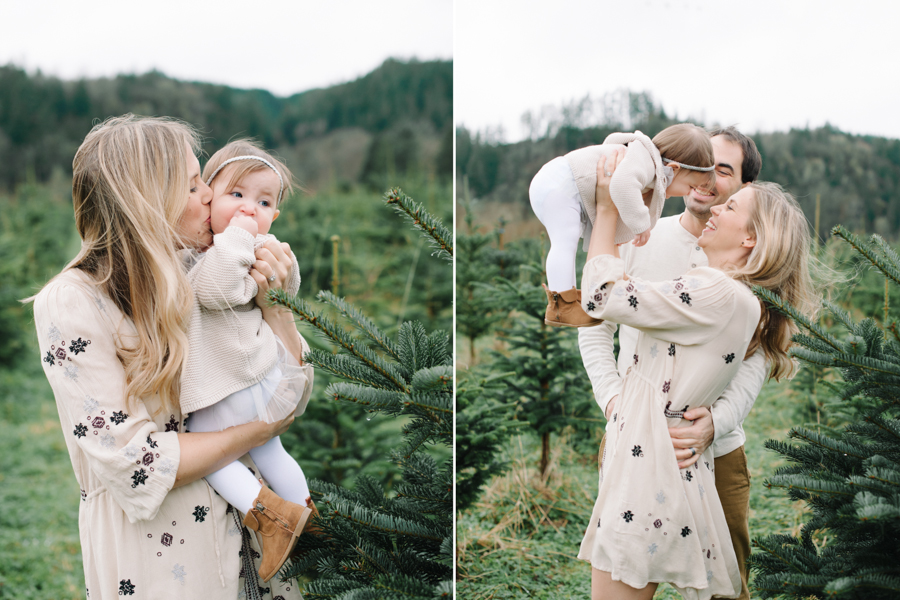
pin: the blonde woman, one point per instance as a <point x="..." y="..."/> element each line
<point x="112" y="332"/>
<point x="653" y="522"/>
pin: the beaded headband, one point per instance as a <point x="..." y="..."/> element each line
<point x="251" y="157"/>
<point x="684" y="166"/>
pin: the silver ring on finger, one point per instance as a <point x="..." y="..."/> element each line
<point x="693" y="451"/>
<point x="608" y="174"/>
<point x="272" y="278"/>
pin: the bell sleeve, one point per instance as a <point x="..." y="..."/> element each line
<point x="109" y="440"/>
<point x="688" y="310"/>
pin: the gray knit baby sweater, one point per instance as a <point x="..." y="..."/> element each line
<point x="230" y="345"/>
<point x="641" y="168"/>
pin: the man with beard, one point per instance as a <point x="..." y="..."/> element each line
<point x="671" y="252"/>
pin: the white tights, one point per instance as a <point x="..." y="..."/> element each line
<point x="556" y="202"/>
<point x="239" y="487"/>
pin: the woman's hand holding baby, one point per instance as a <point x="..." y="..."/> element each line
<point x="270" y="271"/>
<point x="606" y="167"/>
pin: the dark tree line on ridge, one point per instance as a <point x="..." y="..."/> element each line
<point x="398" y="118"/>
<point x="856" y="177"/>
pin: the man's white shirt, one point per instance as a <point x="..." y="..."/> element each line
<point x="671" y="252"/>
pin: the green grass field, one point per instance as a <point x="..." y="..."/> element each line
<point x="521" y="538"/>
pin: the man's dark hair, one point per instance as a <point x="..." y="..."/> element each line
<point x="752" y="160"/>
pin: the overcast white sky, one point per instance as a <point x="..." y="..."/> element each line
<point x="763" y="65"/>
<point x="285" y="46"/>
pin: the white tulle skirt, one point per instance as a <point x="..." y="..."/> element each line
<point x="283" y="391"/>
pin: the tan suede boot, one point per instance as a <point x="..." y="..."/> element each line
<point x="278" y="523"/>
<point x="564" y="310"/>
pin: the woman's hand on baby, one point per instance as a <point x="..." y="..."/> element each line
<point x="245" y="222"/>
<point x="271" y="269"/>
<point x="606" y="168"/>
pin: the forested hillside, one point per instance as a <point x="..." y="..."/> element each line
<point x="397" y="118"/>
<point x="857" y="177"/>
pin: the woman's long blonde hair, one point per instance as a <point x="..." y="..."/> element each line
<point x="130" y="188"/>
<point x="780" y="263"/>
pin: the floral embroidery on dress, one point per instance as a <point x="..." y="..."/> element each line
<point x="139" y="477"/>
<point x="172" y="425"/>
<point x="108" y="441"/>
<point x="200" y="513"/>
<point x="728" y="358"/>
<point x="686" y="298"/>
<point x="179" y="573"/>
<point x="635" y="359"/>
<point x="98" y="422"/>
<point x="652" y="548"/>
<point x="148" y="458"/>
<point x="90" y="405"/>
<point x="657" y="524"/>
<point x="151" y="443"/>
<point x="628" y="516"/>
<point x="80" y="430"/>
<point x="667" y="386"/>
<point x="653" y="351"/>
<point x="637" y="452"/>
<point x="167" y="467"/>
<point x="687" y="476"/>
<point x="49" y="358"/>
<point x="78" y="346"/>
<point x="130" y="452"/>
<point x="118" y="417"/>
<point x="633" y="302"/>
<point x="53" y="333"/>
<point x="72" y="372"/>
<point x="166" y="539"/>
<point x="686" y="531"/>
<point x="126" y="588"/>
<point x="661" y="497"/>
<point x="591" y="306"/>
<point x="671" y="349"/>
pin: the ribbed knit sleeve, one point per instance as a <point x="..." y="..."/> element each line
<point x="114" y="446"/>
<point x="222" y="280"/>
<point x="635" y="173"/>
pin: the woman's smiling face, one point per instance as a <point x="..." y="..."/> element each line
<point x="729" y="226"/>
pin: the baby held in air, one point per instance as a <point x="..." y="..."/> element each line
<point x="676" y="160"/>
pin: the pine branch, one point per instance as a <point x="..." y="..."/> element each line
<point x="338" y="336"/>
<point x="889" y="271"/>
<point x="347" y="367"/>
<point x="845" y="360"/>
<point x="441" y="237"/>
<point x="775" y="301"/>
<point x="362" y="322"/>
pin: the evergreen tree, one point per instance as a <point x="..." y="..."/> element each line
<point x="476" y="310"/>
<point x="547" y="382"/>
<point x="483" y="425"/>
<point x="849" y="477"/>
<point x="374" y="546"/>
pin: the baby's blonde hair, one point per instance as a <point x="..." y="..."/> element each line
<point x="130" y="188"/>
<point x="242" y="168"/>
<point x="687" y="144"/>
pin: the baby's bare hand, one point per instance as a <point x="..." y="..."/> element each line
<point x="245" y="222"/>
<point x="642" y="238"/>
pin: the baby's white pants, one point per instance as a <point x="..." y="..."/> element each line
<point x="556" y="202"/>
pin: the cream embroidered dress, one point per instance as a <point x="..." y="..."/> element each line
<point x="139" y="537"/>
<point x="652" y="521"/>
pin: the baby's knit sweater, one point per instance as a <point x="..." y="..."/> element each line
<point x="640" y="169"/>
<point x="231" y="347"/>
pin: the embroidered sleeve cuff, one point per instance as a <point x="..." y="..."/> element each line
<point x="599" y="276"/>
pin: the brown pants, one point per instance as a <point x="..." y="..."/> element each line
<point x="733" y="486"/>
